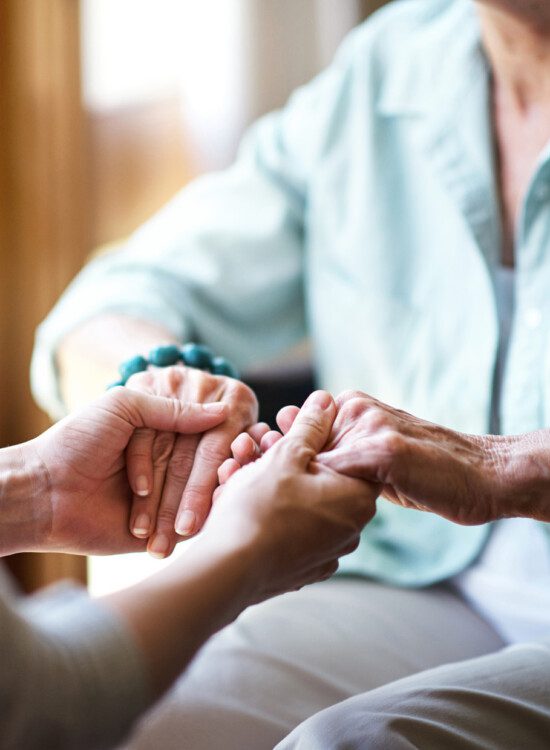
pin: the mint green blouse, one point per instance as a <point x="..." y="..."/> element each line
<point x="365" y="215"/>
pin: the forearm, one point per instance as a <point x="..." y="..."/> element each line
<point x="88" y="357"/>
<point x="173" y="613"/>
<point x="25" y="510"/>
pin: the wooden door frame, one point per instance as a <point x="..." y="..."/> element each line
<point x="43" y="232"/>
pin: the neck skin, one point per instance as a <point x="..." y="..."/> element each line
<point x="24" y="507"/>
<point x="516" y="38"/>
<point x="517" y="43"/>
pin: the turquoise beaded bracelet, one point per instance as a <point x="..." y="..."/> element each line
<point x="192" y="355"/>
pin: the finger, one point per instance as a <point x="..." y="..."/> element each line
<point x="357" y="496"/>
<point x="139" y="467"/>
<point x="177" y="473"/>
<point x="227" y="469"/>
<point x="311" y="428"/>
<point x="244" y="449"/>
<point x="361" y="461"/>
<point x="257" y="431"/>
<point x="167" y="414"/>
<point x="269" y="440"/>
<point x="139" y="461"/>
<point x="163" y="446"/>
<point x="213" y="449"/>
<point x="286" y="417"/>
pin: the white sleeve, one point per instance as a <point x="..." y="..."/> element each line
<point x="223" y="261"/>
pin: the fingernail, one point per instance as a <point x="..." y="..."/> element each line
<point x="142" y="525"/>
<point x="142" y="486"/>
<point x="186" y="523"/>
<point x="320" y="398"/>
<point x="214" y="408"/>
<point x="159" y="546"/>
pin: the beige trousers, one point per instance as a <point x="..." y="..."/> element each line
<point x="495" y="702"/>
<point x="305" y="654"/>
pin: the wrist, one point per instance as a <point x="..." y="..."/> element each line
<point x="175" y="611"/>
<point x="25" y="507"/>
<point x="237" y="565"/>
<point x="526" y="475"/>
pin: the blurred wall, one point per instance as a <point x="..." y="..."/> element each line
<point x="43" y="217"/>
<point x="169" y="96"/>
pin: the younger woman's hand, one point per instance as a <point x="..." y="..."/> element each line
<point x="85" y="461"/>
<point x="292" y="515"/>
<point x="257" y="440"/>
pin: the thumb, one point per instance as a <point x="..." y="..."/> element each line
<point x="311" y="428"/>
<point x="167" y="414"/>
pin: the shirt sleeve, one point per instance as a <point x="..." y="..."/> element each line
<point x="223" y="262"/>
<point x="71" y="675"/>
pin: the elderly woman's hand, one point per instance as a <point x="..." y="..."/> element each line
<point x="176" y="496"/>
<point x="81" y="471"/>
<point x="467" y="479"/>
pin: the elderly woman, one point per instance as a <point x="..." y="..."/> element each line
<point x="397" y="210"/>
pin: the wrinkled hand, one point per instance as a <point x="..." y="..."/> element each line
<point x="419" y="464"/>
<point x="83" y="458"/>
<point x="177" y="495"/>
<point x="297" y="516"/>
<point x="467" y="479"/>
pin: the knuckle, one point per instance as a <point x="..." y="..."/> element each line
<point x="242" y="396"/>
<point x="162" y="447"/>
<point x="376" y="419"/>
<point x="213" y="453"/>
<point x="141" y="443"/>
<point x="353" y="409"/>
<point x="180" y="465"/>
<point x="390" y="446"/>
<point x="241" y="390"/>
<point x="349" y="395"/>
<point x="392" y="442"/>
<point x="173" y="378"/>
<point x="197" y="499"/>
<point x="166" y="516"/>
<point x="293" y="448"/>
<point x="311" y="424"/>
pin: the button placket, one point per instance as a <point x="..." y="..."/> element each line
<point x="523" y="401"/>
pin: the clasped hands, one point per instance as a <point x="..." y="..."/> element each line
<point x="465" y="478"/>
<point x="152" y="447"/>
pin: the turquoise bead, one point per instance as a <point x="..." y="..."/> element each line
<point x="164" y="356"/>
<point x="196" y="355"/>
<point x="131" y="366"/>
<point x="220" y="366"/>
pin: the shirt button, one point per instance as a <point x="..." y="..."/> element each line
<point x="532" y="317"/>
